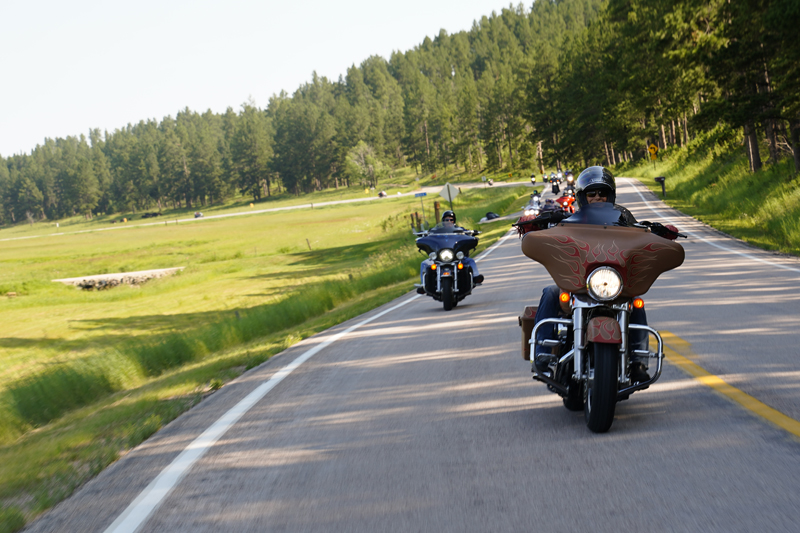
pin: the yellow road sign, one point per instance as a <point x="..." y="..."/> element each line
<point x="653" y="149"/>
<point x="653" y="157"/>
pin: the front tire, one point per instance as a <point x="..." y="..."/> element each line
<point x="601" y="389"/>
<point x="447" y="293"/>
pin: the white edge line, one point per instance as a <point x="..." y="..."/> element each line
<point x="151" y="497"/>
<point x="715" y="245"/>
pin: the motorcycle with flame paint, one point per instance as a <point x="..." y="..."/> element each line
<point x="602" y="270"/>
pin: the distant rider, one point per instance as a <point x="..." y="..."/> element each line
<point x="449" y="225"/>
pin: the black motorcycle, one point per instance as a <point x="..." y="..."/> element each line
<point x="447" y="278"/>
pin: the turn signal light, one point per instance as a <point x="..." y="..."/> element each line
<point x="460" y="266"/>
<point x="638" y="303"/>
<point x="433" y="266"/>
<point x="564" y="297"/>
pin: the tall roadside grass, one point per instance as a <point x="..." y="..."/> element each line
<point x="711" y="180"/>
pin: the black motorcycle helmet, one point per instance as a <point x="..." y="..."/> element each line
<point x="594" y="179"/>
<point x="449" y="213"/>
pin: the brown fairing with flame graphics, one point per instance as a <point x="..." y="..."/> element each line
<point x="603" y="329"/>
<point x="570" y="252"/>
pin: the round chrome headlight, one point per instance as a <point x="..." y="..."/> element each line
<point x="604" y="284"/>
<point x="460" y="256"/>
<point x="446" y="255"/>
<point x="432" y="255"/>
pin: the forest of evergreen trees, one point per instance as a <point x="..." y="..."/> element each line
<point x="566" y="82"/>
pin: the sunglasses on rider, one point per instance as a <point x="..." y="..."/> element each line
<point x="593" y="194"/>
<point x="449" y="220"/>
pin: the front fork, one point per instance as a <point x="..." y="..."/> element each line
<point x="578" y="353"/>
<point x="453" y="273"/>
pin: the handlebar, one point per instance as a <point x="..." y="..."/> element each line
<point x="470" y="232"/>
<point x="661" y="230"/>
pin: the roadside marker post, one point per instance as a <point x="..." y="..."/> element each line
<point x="662" y="180"/>
<point x="421" y="195"/>
<point x="449" y="192"/>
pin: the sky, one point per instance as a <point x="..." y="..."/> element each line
<point x="71" y="66"/>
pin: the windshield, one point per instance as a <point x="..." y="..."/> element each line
<point x="441" y="228"/>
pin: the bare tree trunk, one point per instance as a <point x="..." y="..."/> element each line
<point x="541" y="163"/>
<point x="510" y="154"/>
<point x="613" y="155"/>
<point x="672" y="133"/>
<point x="427" y="144"/>
<point x="663" y="138"/>
<point x="685" y="130"/>
<point x="499" y="151"/>
<point x="608" y="158"/>
<point x="769" y="131"/>
<point x="751" y="146"/>
<point x="794" y="130"/>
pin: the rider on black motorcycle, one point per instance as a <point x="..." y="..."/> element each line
<point x="595" y="184"/>
<point x="447" y="225"/>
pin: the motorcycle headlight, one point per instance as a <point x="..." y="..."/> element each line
<point x="604" y="284"/>
<point x="460" y="255"/>
<point x="446" y="255"/>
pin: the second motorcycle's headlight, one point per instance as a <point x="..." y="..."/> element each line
<point x="446" y="255"/>
<point x="604" y="284"/>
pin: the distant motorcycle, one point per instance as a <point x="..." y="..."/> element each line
<point x="565" y="203"/>
<point x="447" y="279"/>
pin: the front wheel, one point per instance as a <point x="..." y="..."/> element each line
<point x="601" y="388"/>
<point x="447" y="293"/>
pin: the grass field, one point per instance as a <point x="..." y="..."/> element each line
<point x="89" y="374"/>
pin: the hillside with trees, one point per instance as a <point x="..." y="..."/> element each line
<point x="563" y="83"/>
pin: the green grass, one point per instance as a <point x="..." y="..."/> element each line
<point x="711" y="181"/>
<point x="90" y="374"/>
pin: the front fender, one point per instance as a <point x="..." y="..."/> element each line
<point x="603" y="330"/>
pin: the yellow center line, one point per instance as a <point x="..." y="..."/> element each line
<point x="674" y="344"/>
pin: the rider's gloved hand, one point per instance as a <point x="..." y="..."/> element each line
<point x="671" y="236"/>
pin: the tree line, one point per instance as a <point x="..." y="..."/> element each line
<point x="563" y="83"/>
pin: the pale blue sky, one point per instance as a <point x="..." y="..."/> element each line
<point x="68" y="66"/>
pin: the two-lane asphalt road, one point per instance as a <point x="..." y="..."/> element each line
<point x="410" y="418"/>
